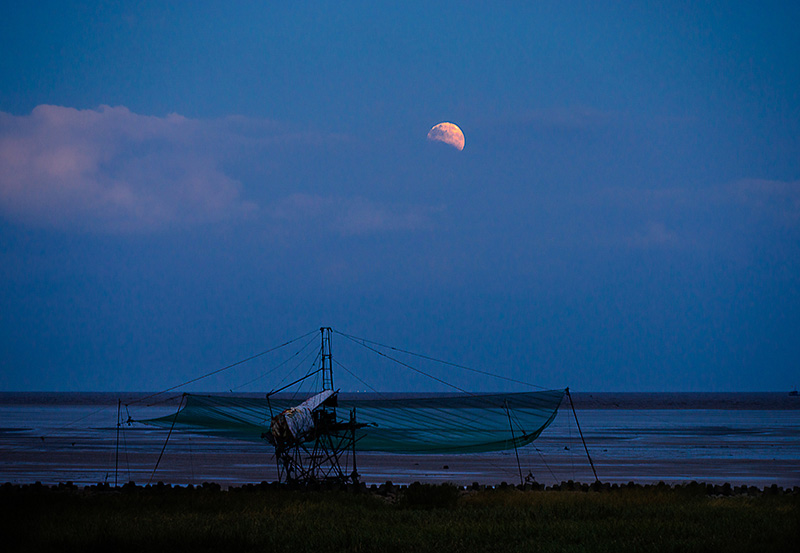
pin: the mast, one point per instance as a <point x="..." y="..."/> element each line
<point x="318" y="446"/>
<point x="327" y="358"/>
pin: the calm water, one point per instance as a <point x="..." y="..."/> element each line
<point x="751" y="439"/>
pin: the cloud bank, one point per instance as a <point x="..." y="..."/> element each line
<point x="691" y="217"/>
<point x="111" y="170"/>
<point x="351" y="216"/>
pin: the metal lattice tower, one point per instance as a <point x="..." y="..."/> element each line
<point x="327" y="359"/>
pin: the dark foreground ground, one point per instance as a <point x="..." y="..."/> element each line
<point x="420" y="517"/>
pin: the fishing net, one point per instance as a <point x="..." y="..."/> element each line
<point x="464" y="423"/>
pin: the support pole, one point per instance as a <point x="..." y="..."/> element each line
<point x="354" y="475"/>
<point x="116" y="454"/>
<point x="596" y="479"/>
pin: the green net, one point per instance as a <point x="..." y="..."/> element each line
<point x="468" y="423"/>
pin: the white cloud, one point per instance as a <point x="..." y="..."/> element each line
<point x="351" y="216"/>
<point x="653" y="234"/>
<point x="680" y="218"/>
<point x="777" y="201"/>
<point x="111" y="170"/>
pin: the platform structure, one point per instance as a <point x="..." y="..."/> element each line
<point x="312" y="443"/>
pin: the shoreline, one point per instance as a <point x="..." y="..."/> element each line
<point x="389" y="488"/>
<point x="775" y="400"/>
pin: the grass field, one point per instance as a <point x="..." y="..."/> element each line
<point x="417" y="518"/>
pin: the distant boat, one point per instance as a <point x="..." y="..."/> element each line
<point x="794" y="393"/>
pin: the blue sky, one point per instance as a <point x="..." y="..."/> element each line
<point x="183" y="185"/>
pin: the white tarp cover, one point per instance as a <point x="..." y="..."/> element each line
<point x="299" y="419"/>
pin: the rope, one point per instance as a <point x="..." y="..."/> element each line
<point x="555" y="478"/>
<point x="351" y="373"/>
<point x="596" y="479"/>
<point x="311" y="370"/>
<point x="364" y="345"/>
<point x="514" y="441"/>
<point x="444" y="415"/>
<point x="293" y="383"/>
<point x="354" y="338"/>
<point x="155" y="468"/>
<point x="409" y="415"/>
<point x="224" y="368"/>
<point x="266" y="374"/>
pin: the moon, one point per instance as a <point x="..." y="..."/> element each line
<point x="447" y="133"/>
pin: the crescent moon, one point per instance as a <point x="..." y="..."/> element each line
<point x="449" y="134"/>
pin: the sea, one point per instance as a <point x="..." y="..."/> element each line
<point x="750" y="439"/>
